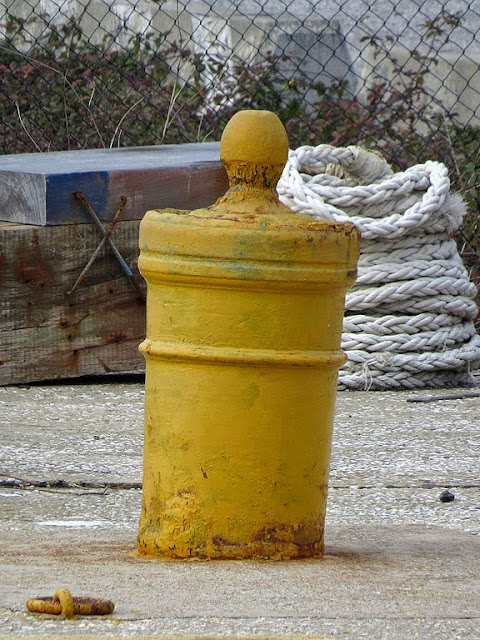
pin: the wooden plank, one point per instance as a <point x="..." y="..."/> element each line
<point x="46" y="333"/>
<point x="38" y="188"/>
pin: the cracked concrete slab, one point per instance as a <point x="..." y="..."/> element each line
<point x="400" y="563"/>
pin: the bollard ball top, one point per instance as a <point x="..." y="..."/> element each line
<point x="256" y="137"/>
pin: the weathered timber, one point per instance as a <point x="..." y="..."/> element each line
<point x="38" y="188"/>
<point x="45" y="333"/>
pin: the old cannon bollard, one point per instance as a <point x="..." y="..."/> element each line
<point x="245" y="304"/>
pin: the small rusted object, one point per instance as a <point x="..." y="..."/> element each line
<point x="108" y="233"/>
<point x="64" y="604"/>
<point x="128" y="272"/>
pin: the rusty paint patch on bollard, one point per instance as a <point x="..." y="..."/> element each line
<point x="64" y="604"/>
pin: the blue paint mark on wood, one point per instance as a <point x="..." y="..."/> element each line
<point x="62" y="205"/>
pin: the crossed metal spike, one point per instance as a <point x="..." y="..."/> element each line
<point x="106" y="238"/>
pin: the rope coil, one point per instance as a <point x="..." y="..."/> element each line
<point x="409" y="318"/>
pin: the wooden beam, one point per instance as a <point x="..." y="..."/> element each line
<point x="38" y="188"/>
<point x="46" y="333"/>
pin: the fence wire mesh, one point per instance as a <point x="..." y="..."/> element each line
<point x="400" y="76"/>
<point x="93" y="73"/>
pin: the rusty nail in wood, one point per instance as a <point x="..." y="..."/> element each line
<point x="79" y="195"/>
<point x="123" y="202"/>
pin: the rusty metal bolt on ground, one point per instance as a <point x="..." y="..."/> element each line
<point x="244" y="317"/>
<point x="66" y="605"/>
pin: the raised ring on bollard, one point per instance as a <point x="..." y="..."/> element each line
<point x="64" y="604"/>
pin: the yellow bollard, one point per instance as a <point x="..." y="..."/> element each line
<point x="244" y="316"/>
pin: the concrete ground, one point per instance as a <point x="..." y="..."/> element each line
<point x="400" y="563"/>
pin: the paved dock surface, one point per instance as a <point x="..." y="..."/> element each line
<point x="400" y="563"/>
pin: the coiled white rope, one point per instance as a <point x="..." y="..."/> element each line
<point x="409" y="317"/>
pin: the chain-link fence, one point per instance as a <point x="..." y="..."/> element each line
<point x="95" y="73"/>
<point x="401" y="76"/>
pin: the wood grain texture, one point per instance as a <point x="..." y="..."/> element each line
<point x="47" y="334"/>
<point x="22" y="198"/>
<point x="39" y="188"/>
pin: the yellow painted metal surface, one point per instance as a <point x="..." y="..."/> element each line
<point x="244" y="316"/>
